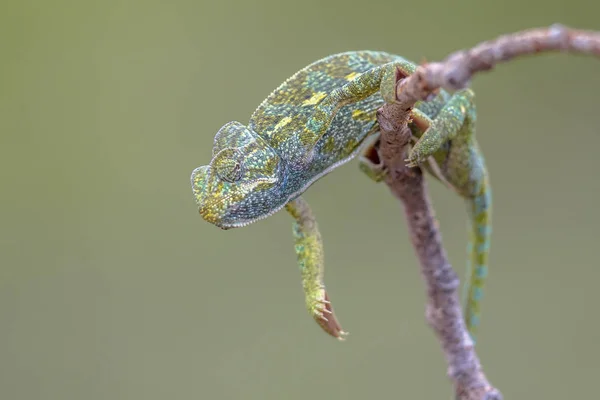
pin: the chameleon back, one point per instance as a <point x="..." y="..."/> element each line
<point x="281" y="117"/>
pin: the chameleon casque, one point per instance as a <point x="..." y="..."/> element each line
<point x="320" y="118"/>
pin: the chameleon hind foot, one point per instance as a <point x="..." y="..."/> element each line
<point x="444" y="127"/>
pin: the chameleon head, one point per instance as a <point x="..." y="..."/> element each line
<point x="240" y="185"/>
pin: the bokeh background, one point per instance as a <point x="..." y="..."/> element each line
<point x="112" y="287"/>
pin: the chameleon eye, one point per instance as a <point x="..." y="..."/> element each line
<point x="228" y="165"/>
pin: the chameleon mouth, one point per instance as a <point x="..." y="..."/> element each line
<point x="213" y="212"/>
<point x="241" y="223"/>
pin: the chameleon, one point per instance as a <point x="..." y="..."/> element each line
<point x="320" y="118"/>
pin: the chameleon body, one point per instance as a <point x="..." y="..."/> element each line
<point x="320" y="118"/>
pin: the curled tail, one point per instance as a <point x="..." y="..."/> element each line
<point x="480" y="208"/>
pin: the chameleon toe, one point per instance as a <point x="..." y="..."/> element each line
<point x="330" y="324"/>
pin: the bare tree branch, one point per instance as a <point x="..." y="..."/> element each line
<point x="456" y="71"/>
<point x="444" y="312"/>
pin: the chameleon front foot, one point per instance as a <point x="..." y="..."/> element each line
<point x="321" y="310"/>
<point x="309" y="252"/>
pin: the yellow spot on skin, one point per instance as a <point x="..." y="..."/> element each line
<point x="315" y="99"/>
<point x="283" y="122"/>
<point x="351" y="76"/>
<point x="350" y="146"/>
<point x="356" y="114"/>
<point x="360" y="115"/>
<point x="329" y="146"/>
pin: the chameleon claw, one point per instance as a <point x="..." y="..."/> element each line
<point x="331" y="324"/>
<point x="342" y="336"/>
<point x="410" y="163"/>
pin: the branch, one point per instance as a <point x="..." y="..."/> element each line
<point x="456" y="71"/>
<point x="444" y="312"/>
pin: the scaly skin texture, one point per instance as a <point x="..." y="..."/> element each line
<point x="309" y="250"/>
<point x="319" y="119"/>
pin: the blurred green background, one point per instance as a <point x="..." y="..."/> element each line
<point x="112" y="287"/>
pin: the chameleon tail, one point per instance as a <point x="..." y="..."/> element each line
<point x="480" y="208"/>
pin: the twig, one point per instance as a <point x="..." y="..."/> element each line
<point x="456" y="71"/>
<point x="444" y="312"/>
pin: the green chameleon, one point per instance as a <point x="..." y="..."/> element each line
<point x="320" y="118"/>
